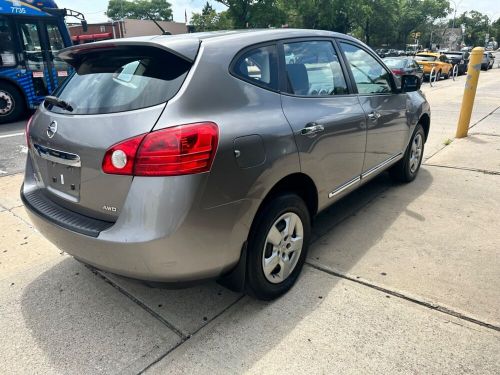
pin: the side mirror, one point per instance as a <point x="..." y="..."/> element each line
<point x="410" y="83"/>
<point x="85" y="26"/>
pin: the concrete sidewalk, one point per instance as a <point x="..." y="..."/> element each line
<point x="399" y="279"/>
<point x="419" y="286"/>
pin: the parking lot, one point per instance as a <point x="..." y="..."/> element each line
<point x="399" y="279"/>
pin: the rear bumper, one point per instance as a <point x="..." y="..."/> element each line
<point x="155" y="238"/>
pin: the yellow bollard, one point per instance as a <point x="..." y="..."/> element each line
<point x="476" y="56"/>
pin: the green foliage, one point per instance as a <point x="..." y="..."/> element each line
<point x="209" y="20"/>
<point x="159" y="10"/>
<point x="375" y="21"/>
<point x="476" y="27"/>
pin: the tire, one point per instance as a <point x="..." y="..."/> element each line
<point x="407" y="168"/>
<point x="12" y="104"/>
<point x="270" y="283"/>
<point x="438" y="76"/>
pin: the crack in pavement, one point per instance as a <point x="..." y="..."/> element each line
<point x="154" y="314"/>
<point x="432" y="306"/>
<point x="485" y="171"/>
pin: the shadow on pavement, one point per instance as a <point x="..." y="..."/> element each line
<point x="77" y="319"/>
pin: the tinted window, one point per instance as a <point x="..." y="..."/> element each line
<point x="395" y="63"/>
<point x="313" y="69"/>
<point x="123" y="80"/>
<point x="259" y="65"/>
<point x="7" y="55"/>
<point x="370" y="76"/>
<point x="425" y="58"/>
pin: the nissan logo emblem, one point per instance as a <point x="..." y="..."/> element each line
<point x="52" y="129"/>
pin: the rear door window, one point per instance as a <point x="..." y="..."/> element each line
<point x="123" y="80"/>
<point x="258" y="66"/>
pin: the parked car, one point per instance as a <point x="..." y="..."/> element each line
<point x="488" y="61"/>
<point x="381" y="52"/>
<point x="440" y="63"/>
<point x="460" y="59"/>
<point x="401" y="66"/>
<point x="153" y="162"/>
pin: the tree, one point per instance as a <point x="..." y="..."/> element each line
<point x="254" y="13"/>
<point x="476" y="27"/>
<point x="209" y="19"/>
<point x="159" y="10"/>
<point x="414" y="14"/>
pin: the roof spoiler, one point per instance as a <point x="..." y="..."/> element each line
<point x="186" y="49"/>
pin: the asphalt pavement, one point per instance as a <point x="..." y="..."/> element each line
<point x="399" y="279"/>
<point x="12" y="148"/>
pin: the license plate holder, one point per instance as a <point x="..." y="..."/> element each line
<point x="64" y="178"/>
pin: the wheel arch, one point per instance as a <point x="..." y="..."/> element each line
<point x="298" y="183"/>
<point x="425" y="121"/>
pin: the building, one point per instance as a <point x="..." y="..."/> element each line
<point x="122" y="29"/>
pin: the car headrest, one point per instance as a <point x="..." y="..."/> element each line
<point x="298" y="78"/>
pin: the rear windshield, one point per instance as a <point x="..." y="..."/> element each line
<point x="425" y="58"/>
<point x="395" y="63"/>
<point x="122" y="80"/>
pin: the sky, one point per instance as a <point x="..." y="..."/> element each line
<point x="94" y="9"/>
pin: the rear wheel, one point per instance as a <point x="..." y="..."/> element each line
<point x="277" y="246"/>
<point x="407" y="168"/>
<point x="11" y="103"/>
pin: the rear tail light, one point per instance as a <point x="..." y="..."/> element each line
<point x="180" y="150"/>
<point x="27" y="132"/>
<point x="398" y="72"/>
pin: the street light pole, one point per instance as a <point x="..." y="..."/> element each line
<point x="455" y="6"/>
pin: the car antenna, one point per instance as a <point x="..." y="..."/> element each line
<point x="163" y="31"/>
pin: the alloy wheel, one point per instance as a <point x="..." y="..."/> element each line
<point x="283" y="247"/>
<point x="416" y="152"/>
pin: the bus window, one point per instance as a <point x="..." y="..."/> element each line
<point x="34" y="56"/>
<point x="7" y="52"/>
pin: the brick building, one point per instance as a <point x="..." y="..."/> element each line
<point x="122" y="29"/>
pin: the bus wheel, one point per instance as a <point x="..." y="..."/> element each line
<point x="11" y="103"/>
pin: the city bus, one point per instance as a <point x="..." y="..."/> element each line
<point x="31" y="33"/>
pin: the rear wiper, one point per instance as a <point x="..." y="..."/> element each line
<point x="59" y="103"/>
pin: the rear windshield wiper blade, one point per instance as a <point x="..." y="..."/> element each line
<point x="59" y="103"/>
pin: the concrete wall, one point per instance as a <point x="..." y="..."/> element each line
<point x="146" y="27"/>
<point x="129" y="28"/>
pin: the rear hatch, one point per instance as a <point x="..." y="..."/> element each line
<point x="117" y="91"/>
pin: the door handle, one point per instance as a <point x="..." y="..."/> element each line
<point x="312" y="128"/>
<point x="374" y="115"/>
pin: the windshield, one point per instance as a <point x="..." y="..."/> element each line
<point x="425" y="58"/>
<point x="123" y="80"/>
<point x="395" y="63"/>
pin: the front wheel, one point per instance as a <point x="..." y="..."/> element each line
<point x="407" y="168"/>
<point x="277" y="246"/>
<point x="11" y="103"/>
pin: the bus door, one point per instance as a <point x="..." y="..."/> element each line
<point x="60" y="69"/>
<point x="34" y="52"/>
<point x="40" y="41"/>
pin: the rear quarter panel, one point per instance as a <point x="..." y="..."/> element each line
<point x="239" y="108"/>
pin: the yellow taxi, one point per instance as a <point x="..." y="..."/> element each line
<point x="441" y="64"/>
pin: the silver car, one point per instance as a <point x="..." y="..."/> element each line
<point x="181" y="158"/>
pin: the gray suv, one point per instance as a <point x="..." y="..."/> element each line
<point x="181" y="158"/>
